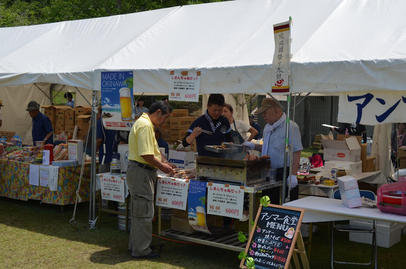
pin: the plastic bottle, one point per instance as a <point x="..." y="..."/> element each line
<point x="115" y="167"/>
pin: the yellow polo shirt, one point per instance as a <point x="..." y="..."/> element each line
<point x="142" y="141"/>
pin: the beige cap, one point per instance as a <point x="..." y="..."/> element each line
<point x="268" y="103"/>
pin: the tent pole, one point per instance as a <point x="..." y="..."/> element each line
<point x="285" y="158"/>
<point x="92" y="203"/>
<point x="84" y="97"/>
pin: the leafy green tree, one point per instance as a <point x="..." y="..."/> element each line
<point x="29" y="12"/>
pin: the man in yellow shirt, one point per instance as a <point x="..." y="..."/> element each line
<point x="144" y="160"/>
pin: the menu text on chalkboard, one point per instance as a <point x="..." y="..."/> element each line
<point x="273" y="237"/>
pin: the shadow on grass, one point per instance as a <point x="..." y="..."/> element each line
<point x="50" y="220"/>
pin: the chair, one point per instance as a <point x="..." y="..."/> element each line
<point x="356" y="229"/>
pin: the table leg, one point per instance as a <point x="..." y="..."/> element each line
<point x="159" y="220"/>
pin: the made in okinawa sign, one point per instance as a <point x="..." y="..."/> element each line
<point x="185" y="86"/>
<point x="273" y="237"/>
<point x="371" y="108"/>
<point x="281" y="58"/>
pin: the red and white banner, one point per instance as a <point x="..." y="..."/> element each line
<point x="281" y="58"/>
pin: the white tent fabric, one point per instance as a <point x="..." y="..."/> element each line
<point x="337" y="45"/>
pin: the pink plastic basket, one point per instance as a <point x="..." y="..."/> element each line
<point x="392" y="198"/>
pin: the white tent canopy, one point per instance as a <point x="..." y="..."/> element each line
<point x="337" y="45"/>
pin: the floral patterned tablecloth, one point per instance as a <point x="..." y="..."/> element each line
<point x="14" y="183"/>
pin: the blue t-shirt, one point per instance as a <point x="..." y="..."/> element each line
<point x="109" y="138"/>
<point x="70" y="103"/>
<point x="162" y="144"/>
<point x="258" y="128"/>
<point x="41" y="126"/>
<point x="221" y="133"/>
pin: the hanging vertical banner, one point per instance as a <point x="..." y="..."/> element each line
<point x="185" y="86"/>
<point x="372" y="108"/>
<point x="281" y="57"/>
<point x="225" y="200"/>
<point x="117" y="100"/>
<point x="197" y="206"/>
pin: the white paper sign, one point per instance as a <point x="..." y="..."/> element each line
<point x="53" y="178"/>
<point x="45" y="157"/>
<point x="281" y="58"/>
<point x="43" y="175"/>
<point x="112" y="187"/>
<point x="33" y="177"/>
<point x="371" y="108"/>
<point x="185" y="86"/>
<point x="225" y="200"/>
<point x="172" y="192"/>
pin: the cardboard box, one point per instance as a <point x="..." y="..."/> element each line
<point x="345" y="150"/>
<point x="49" y="111"/>
<point x="349" y="191"/>
<point x="181" y="123"/>
<point x="70" y="117"/>
<point x="402" y="158"/>
<point x="387" y="234"/>
<point x="82" y="110"/>
<point x="351" y="168"/>
<point x="179" y="113"/>
<point x="182" y="159"/>
<point x="75" y="150"/>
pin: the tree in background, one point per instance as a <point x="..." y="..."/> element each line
<point x="29" y="12"/>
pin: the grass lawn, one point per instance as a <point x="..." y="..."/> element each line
<point x="34" y="235"/>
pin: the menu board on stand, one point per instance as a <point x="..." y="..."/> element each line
<point x="272" y="241"/>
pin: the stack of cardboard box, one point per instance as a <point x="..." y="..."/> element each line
<point x="64" y="119"/>
<point x="176" y="127"/>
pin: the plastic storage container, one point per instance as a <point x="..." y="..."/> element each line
<point x="392" y="198"/>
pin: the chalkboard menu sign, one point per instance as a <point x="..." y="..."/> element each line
<point x="273" y="237"/>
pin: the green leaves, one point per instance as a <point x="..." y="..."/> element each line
<point x="250" y="263"/>
<point x="265" y="201"/>
<point x="241" y="237"/>
<point x="242" y="255"/>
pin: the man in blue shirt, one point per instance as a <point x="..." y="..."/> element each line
<point x="41" y="125"/>
<point x="106" y="143"/>
<point x="211" y="128"/>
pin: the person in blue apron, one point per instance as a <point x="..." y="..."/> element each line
<point x="239" y="129"/>
<point x="209" y="129"/>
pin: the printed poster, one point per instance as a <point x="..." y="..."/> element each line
<point x="372" y="108"/>
<point x="281" y="58"/>
<point x="172" y="193"/>
<point x="185" y="86"/>
<point x="117" y="100"/>
<point x="197" y="206"/>
<point x="112" y="187"/>
<point x="225" y="200"/>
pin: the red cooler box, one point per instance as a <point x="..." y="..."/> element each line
<point x="392" y="198"/>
